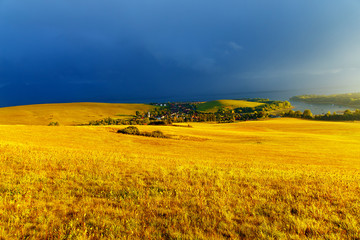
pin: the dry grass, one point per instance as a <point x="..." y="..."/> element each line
<point x="67" y="113"/>
<point x="276" y="179"/>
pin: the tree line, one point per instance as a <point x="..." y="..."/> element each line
<point x="348" y="115"/>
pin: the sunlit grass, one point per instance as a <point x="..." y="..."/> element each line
<point x="278" y="179"/>
<point x="67" y="113"/>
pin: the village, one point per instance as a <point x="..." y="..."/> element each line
<point x="176" y="112"/>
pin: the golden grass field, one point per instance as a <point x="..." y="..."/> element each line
<point x="272" y="179"/>
<point x="67" y="113"/>
<point x="213" y="106"/>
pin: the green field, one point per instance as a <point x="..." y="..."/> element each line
<point x="213" y="106"/>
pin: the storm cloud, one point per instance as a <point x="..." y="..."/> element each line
<point x="114" y="51"/>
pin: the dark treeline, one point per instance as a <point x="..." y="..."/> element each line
<point x="220" y="117"/>
<point x="187" y="112"/>
<point x="113" y="121"/>
<point x="348" y="115"/>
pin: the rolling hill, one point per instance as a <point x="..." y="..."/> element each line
<point x="213" y="106"/>
<point x="67" y="113"/>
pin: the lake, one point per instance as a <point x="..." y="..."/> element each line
<point x="319" y="108"/>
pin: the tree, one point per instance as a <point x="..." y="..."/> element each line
<point x="307" y="114"/>
<point x="347" y="112"/>
<point x="146" y="121"/>
<point x="291" y="113"/>
<point x="298" y="113"/>
<point x="287" y="104"/>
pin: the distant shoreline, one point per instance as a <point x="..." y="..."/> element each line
<point x="347" y="100"/>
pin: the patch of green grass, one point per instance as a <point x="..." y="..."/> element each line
<point x="213" y="106"/>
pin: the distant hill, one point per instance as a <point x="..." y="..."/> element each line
<point x="67" y="113"/>
<point x="347" y="99"/>
<point x="213" y="106"/>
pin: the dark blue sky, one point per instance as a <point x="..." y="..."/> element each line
<point x="115" y="50"/>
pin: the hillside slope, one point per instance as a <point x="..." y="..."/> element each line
<point x="66" y="113"/>
<point x="213" y="106"/>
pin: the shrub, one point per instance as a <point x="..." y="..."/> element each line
<point x="157" y="134"/>
<point x="53" y="124"/>
<point x="130" y="130"/>
<point x="157" y="123"/>
<point x="135" y="131"/>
